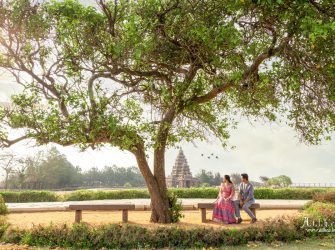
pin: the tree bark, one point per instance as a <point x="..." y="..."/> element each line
<point x="159" y="174"/>
<point x="157" y="188"/>
<point x="159" y="158"/>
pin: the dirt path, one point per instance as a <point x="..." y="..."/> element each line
<point x="140" y="218"/>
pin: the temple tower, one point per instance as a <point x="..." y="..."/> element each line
<point x="181" y="175"/>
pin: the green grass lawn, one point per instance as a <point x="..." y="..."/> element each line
<point x="310" y="244"/>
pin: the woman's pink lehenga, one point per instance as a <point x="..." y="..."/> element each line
<point x="224" y="210"/>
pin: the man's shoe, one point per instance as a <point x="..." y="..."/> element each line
<point x="253" y="220"/>
<point x="239" y="220"/>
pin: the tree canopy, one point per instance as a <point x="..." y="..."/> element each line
<point x="281" y="181"/>
<point x="150" y="73"/>
<point x="194" y="62"/>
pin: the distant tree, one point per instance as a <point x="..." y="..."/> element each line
<point x="57" y="171"/>
<point x="113" y="176"/>
<point x="273" y="182"/>
<point x="7" y="164"/>
<point x="205" y="177"/>
<point x="51" y="169"/>
<point x="217" y="179"/>
<point x="281" y="181"/>
<point x="20" y="172"/>
<point x="45" y="170"/>
<point x="93" y="177"/>
<point x="236" y="178"/>
<point x="127" y="185"/>
<point x="264" y="179"/>
<point x="33" y="170"/>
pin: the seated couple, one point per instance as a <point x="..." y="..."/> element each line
<point x="227" y="207"/>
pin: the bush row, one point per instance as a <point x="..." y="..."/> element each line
<point x="212" y="192"/>
<point x="325" y="197"/>
<point x="83" y="195"/>
<point x="29" y="196"/>
<point x="260" y="193"/>
<point x="83" y="236"/>
<point x="289" y="193"/>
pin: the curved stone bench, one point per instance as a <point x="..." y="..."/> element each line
<point x="204" y="206"/>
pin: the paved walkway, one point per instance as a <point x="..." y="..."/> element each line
<point x="143" y="204"/>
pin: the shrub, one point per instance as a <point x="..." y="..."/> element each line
<point x="29" y="196"/>
<point x="124" y="236"/>
<point x="14" y="235"/>
<point x="325" y="197"/>
<point x="3" y="226"/>
<point x="3" y="207"/>
<point x="175" y="208"/>
<point x="320" y="210"/>
<point x="127" y="185"/>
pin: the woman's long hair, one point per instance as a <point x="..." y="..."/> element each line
<point x="227" y="177"/>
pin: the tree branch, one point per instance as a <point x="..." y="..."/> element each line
<point x="6" y="143"/>
<point x="247" y="73"/>
<point x="320" y="9"/>
<point x="211" y="94"/>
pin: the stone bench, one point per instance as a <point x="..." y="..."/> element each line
<point x="205" y="206"/>
<point x="110" y="207"/>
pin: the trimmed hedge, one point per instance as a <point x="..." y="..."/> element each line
<point x="29" y="196"/>
<point x="289" y="193"/>
<point x="204" y="192"/>
<point x="83" y="195"/>
<point x="260" y="193"/>
<point x="123" y="236"/>
<point x="208" y="192"/>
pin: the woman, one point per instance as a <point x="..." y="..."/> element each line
<point x="224" y="210"/>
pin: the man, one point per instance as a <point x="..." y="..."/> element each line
<point x="245" y="199"/>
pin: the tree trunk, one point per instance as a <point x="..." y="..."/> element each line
<point x="157" y="189"/>
<point x="159" y="173"/>
<point x="156" y="182"/>
<point x="159" y="163"/>
<point x="6" y="181"/>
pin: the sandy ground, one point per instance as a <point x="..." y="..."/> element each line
<point x="140" y="218"/>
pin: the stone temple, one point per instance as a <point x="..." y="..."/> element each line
<point x="181" y="176"/>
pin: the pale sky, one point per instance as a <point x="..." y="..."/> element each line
<point x="261" y="149"/>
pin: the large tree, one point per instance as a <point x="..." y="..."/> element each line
<point x="143" y="75"/>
